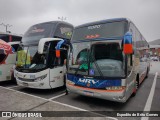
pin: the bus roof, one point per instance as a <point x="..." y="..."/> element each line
<point x="103" y="21"/>
<point x="46" y="30"/>
<point x="55" y="22"/>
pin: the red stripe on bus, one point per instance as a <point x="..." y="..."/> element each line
<point x="10" y="38"/>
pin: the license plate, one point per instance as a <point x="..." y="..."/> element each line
<point x="87" y="93"/>
<point x="25" y="84"/>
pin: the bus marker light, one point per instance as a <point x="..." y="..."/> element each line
<point x="70" y="82"/>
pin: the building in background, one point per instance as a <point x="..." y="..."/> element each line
<point x="155" y="48"/>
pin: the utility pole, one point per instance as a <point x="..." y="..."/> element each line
<point x="62" y="18"/>
<point x="6" y="26"/>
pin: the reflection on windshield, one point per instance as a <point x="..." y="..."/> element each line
<point x="28" y="57"/>
<point x="80" y="58"/>
<point x="33" y="38"/>
<point x="102" y="59"/>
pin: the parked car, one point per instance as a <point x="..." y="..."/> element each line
<point x="154" y="58"/>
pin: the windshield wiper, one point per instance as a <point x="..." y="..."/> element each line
<point x="94" y="61"/>
<point x="100" y="72"/>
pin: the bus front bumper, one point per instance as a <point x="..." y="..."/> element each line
<point x="112" y="95"/>
<point x="24" y="79"/>
<point x="37" y="85"/>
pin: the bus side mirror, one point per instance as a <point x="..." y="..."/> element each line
<point x="43" y="41"/>
<point x="58" y="54"/>
<point x="127" y="43"/>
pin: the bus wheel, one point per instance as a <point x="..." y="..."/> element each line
<point x="66" y="92"/>
<point x="147" y="73"/>
<point x="134" y="90"/>
<point x="64" y="78"/>
<point x="136" y="86"/>
<point x="137" y="82"/>
<point x="13" y="79"/>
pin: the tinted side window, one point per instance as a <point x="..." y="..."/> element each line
<point x="4" y="37"/>
<point x="15" y="47"/>
<point x="16" y="38"/>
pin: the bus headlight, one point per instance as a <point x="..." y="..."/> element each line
<point x="70" y="82"/>
<point x="40" y="78"/>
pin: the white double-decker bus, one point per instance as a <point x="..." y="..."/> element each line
<point x="38" y="64"/>
<point x="108" y="60"/>
<point x="9" y="44"/>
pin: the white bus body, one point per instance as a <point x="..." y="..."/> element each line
<point x="45" y="79"/>
<point x="37" y="64"/>
<point x="108" y="60"/>
<point x="6" y="68"/>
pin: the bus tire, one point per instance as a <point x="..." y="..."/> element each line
<point x="134" y="91"/>
<point x="136" y="86"/>
<point x="13" y="79"/>
<point x="66" y="92"/>
<point x="64" y="78"/>
<point x="147" y="72"/>
<point x="137" y="82"/>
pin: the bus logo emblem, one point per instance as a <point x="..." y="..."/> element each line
<point x="94" y="27"/>
<point x="88" y="81"/>
<point x="88" y="85"/>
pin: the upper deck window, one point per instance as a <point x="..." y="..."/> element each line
<point x="105" y="30"/>
<point x="36" y="32"/>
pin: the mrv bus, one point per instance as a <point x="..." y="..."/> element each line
<point x="41" y="56"/>
<point x="9" y="44"/>
<point x="108" y="60"/>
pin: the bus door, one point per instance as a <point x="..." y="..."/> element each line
<point x="47" y="46"/>
<point x="55" y="64"/>
<point x="57" y="69"/>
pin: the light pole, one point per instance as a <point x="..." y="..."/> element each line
<point x="6" y="26"/>
<point x="62" y="18"/>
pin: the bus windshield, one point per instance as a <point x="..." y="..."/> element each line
<point x="36" y="32"/>
<point x="29" y="58"/>
<point x="97" y="59"/>
<point x="105" y="30"/>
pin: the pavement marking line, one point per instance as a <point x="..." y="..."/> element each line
<point x="52" y="98"/>
<point x="150" y="97"/>
<point x="80" y="109"/>
<point x="23" y="93"/>
<point x="13" y="86"/>
<point x="84" y="110"/>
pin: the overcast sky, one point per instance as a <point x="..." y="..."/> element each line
<point x="21" y="14"/>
